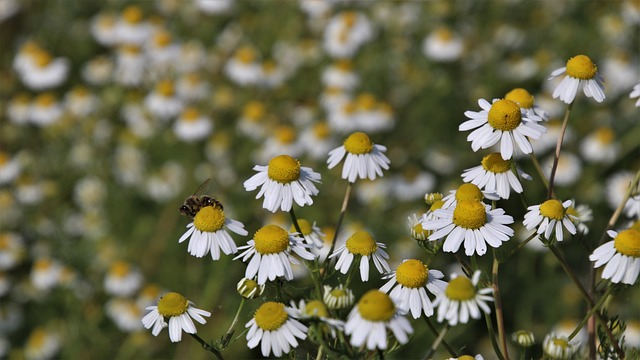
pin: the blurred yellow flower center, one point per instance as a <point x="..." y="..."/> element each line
<point x="358" y="143"/>
<point x="254" y="110"/>
<point x="285" y="134"/>
<point x="37" y="339"/>
<point x="412" y="273"/>
<point x="271" y="316"/>
<point x="419" y="233"/>
<point x="42" y="58"/>
<point x="466" y="357"/>
<point x="190" y="114"/>
<point x="269" y="66"/>
<point x="45" y="100"/>
<point x="316" y="308"/>
<point x="132" y="14"/>
<point x="172" y="304"/>
<point x="636" y="225"/>
<point x="561" y="343"/>
<point x="284" y="169"/>
<point x="42" y="264"/>
<point x="349" y="18"/>
<point x="444" y="34"/>
<point x="581" y="67"/>
<point x="150" y="291"/>
<point x="552" y="209"/>
<point x="4" y="241"/>
<point x="4" y="158"/>
<point x="130" y="49"/>
<point x="521" y="97"/>
<point x="246" y="55"/>
<point x="460" y="289"/>
<point x="376" y="306"/>
<point x="495" y="163"/>
<point x="162" y="39"/>
<point x="469" y="192"/>
<point x="165" y="88"/>
<point x="605" y="135"/>
<point x="305" y="227"/>
<point x="119" y="269"/>
<point x="344" y="65"/>
<point x="628" y="243"/>
<point x="361" y="243"/>
<point x="366" y="102"/>
<point x="504" y="115"/>
<point x="321" y="130"/>
<point x="246" y="287"/>
<point x="209" y="219"/>
<point x="21" y="99"/>
<point x="436" y="205"/>
<point x="470" y="214"/>
<point x="572" y="211"/>
<point x="271" y="239"/>
<point x="338" y="293"/>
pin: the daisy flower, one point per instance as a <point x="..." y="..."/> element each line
<point x="550" y="216"/>
<point x="568" y="170"/>
<point x="317" y="310"/>
<point x="282" y="182"/>
<point x="621" y="256"/>
<point x="179" y="311"/>
<point x="462" y="299"/>
<point x="42" y="344"/>
<point x="526" y="101"/>
<point x="206" y="233"/>
<point x="162" y="102"/>
<point x="495" y="175"/>
<point x="270" y="253"/>
<point x="523" y="338"/>
<point x="361" y="244"/>
<point x="192" y="126"/>
<point x="10" y="168"/>
<point x="364" y="159"/>
<point x="559" y="347"/>
<point x="582" y="214"/>
<point x="442" y="45"/>
<point x="505" y="122"/>
<point x="122" y="279"/>
<point x="472" y="222"/>
<point x="345" y="33"/>
<point x="468" y="357"/>
<point x="275" y="327"/>
<point x="249" y="288"/>
<point x="368" y="322"/>
<point x="406" y="286"/>
<point x="338" y="297"/>
<point x="636" y="94"/>
<point x="600" y="146"/>
<point x="580" y="70"/>
<point x="312" y="234"/>
<point x="415" y="227"/>
<point x="617" y="186"/>
<point x="340" y="75"/>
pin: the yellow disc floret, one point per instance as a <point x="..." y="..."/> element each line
<point x="285" y="134"/>
<point x="209" y="219"/>
<point x="628" y="243"/>
<point x="271" y="239"/>
<point x="119" y="269"/>
<point x="305" y="227"/>
<point x="436" y="205"/>
<point x="172" y="304"/>
<point x="165" y="88"/>
<point x="412" y="274"/>
<point x="581" y="67"/>
<point x="358" y="143"/>
<point x="316" y="308"/>
<point x="521" y="97"/>
<point x="419" y="233"/>
<point x="469" y="192"/>
<point x="504" y="115"/>
<point x="605" y="135"/>
<point x="470" y="214"/>
<point x="284" y="169"/>
<point x="495" y="163"/>
<point x="466" y="357"/>
<point x="271" y="316"/>
<point x="376" y="306"/>
<point x="321" y="130"/>
<point x="552" y="209"/>
<point x="190" y="114"/>
<point x="132" y="14"/>
<point x="361" y="243"/>
<point x="460" y="289"/>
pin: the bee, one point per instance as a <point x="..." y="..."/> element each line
<point x="195" y="202"/>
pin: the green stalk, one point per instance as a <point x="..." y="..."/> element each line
<point x="229" y="334"/>
<point x="558" y="146"/>
<point x="437" y="342"/>
<point x="343" y="210"/>
<point x="437" y="334"/>
<point x="207" y="346"/>
<point x="498" y="303"/>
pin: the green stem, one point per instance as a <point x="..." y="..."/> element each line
<point x="539" y="170"/>
<point x="558" y="146"/>
<point x="229" y="334"/>
<point x="343" y="210"/>
<point x="498" y="303"/>
<point x="522" y="244"/>
<point x="437" y="342"/>
<point x="591" y="312"/>
<point x="312" y="265"/>
<point x="207" y="346"/>
<point x="633" y="187"/>
<point x="494" y="343"/>
<point x="436" y="333"/>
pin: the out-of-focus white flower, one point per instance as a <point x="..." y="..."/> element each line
<point x="162" y="102"/>
<point x="244" y="67"/>
<point x="317" y="140"/>
<point x="568" y="171"/>
<point x="345" y="33"/>
<point x="130" y="66"/>
<point x="103" y="27"/>
<point x="282" y="140"/>
<point x="636" y="94"/>
<point x="131" y="28"/>
<point x="600" y="146"/>
<point x="214" y="7"/>
<point x="443" y="45"/>
<point x="45" y="109"/>
<point x="45" y="273"/>
<point x="80" y="101"/>
<point x="192" y="126"/>
<point x="340" y="75"/>
<point x="42" y="344"/>
<point x="192" y="87"/>
<point x="8" y="8"/>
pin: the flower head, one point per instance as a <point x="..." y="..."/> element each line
<point x="526" y="101"/>
<point x="249" y="288"/>
<point x="580" y="70"/>
<point x="549" y="216"/>
<point x="462" y="299"/>
<point x="361" y="244"/>
<point x="338" y="297"/>
<point x="495" y="175"/>
<point x="276" y="328"/>
<point x="621" y="256"/>
<point x="559" y="347"/>
<point x="282" y="182"/>
<point x="364" y="159"/>
<point x="179" y="311"/>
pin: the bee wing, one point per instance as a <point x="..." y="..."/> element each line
<point x="203" y="188"/>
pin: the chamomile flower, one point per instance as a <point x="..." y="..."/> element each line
<point x="125" y="313"/>
<point x="206" y="233"/>
<point x="568" y="170"/>
<point x="338" y="297"/>
<point x="526" y="102"/>
<point x="274" y="326"/>
<point x="340" y="75"/>
<point x="559" y="347"/>
<point x="179" y="311"/>
<point x="621" y="256"/>
<point x="10" y="168"/>
<point x="316" y="140"/>
<point x="244" y="68"/>
<point x="368" y="322"/>
<point x="46" y="110"/>
<point x="317" y="310"/>
<point x="131" y="27"/>
<point x="600" y="146"/>
<point x="45" y="273"/>
<point x="617" y="186"/>
<point x="249" y="288"/>
<point x="415" y="227"/>
<point x="408" y="283"/>
<point x="130" y="66"/>
<point x="12" y="250"/>
<point x="18" y="109"/>
<point x="162" y="102"/>
<point x="345" y="33"/>
<point x="495" y="175"/>
<point x="523" y="338"/>
<point x="282" y="182"/>
<point x="462" y="299"/>
<point x="442" y="45"/>
<point x="582" y="214"/>
<point x="580" y="71"/>
<point x="549" y="217"/>
<point x="505" y="122"/>
<point x="282" y="140"/>
<point x="122" y="279"/>
<point x="363" y="160"/>
<point x="471" y="222"/>
<point x="270" y="253"/>
<point x="312" y="234"/>
<point x="467" y="191"/>
<point x="42" y="344"/>
<point x="362" y="245"/>
<point x="635" y="93"/>
<point x="192" y="126"/>
<point x="43" y="71"/>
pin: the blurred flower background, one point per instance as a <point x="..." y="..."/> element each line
<point x="113" y="112"/>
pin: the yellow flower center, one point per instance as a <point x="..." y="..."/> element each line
<point x="349" y="18"/>
<point x="376" y="306"/>
<point x="190" y="114"/>
<point x="37" y="339"/>
<point x="284" y="169"/>
<point x="42" y="264"/>
<point x="162" y="39"/>
<point x="338" y="292"/>
<point x="469" y="192"/>
<point x="130" y="49"/>
<point x="552" y="209"/>
<point x="504" y="115"/>
<point x="132" y="14"/>
<point x="4" y="158"/>
<point x="165" y="88"/>
<point x="436" y="205"/>
<point x="521" y="97"/>
<point x="80" y="91"/>
<point x="209" y="219"/>
<point x="254" y="110"/>
<point x="271" y="316"/>
<point x="636" y="225"/>
<point x="119" y="269"/>
<point x="344" y="65"/>
<point x="605" y="135"/>
<point x="150" y="291"/>
<point x="305" y="226"/>
<point x="42" y="58"/>
<point x="460" y="289"/>
<point x="271" y="239"/>
<point x="470" y="214"/>
<point x="172" y="304"/>
<point x="45" y="100"/>
<point x="466" y="357"/>
<point x="412" y="273"/>
<point x="316" y="308"/>
<point x="321" y="130"/>
<point x="495" y="163"/>
<point x="366" y="101"/>
<point x="581" y="67"/>
<point x="628" y="243"/>
<point x="444" y="34"/>
<point x="358" y="143"/>
<point x="246" y="287"/>
<point x="246" y="55"/>
<point x="361" y="243"/>
<point x="285" y="134"/>
<point x="563" y="343"/>
<point x="419" y="233"/>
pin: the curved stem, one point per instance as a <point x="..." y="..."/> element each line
<point x="498" y="302"/>
<point x="229" y="334"/>
<point x="539" y="170"/>
<point x="558" y="146"/>
<point x="436" y="333"/>
<point x="313" y="265"/>
<point x="207" y="346"/>
<point x="343" y="210"/>
<point x="591" y="312"/>
<point x="437" y="342"/>
<point x="494" y="343"/>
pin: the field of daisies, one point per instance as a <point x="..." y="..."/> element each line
<point x="319" y="179"/>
